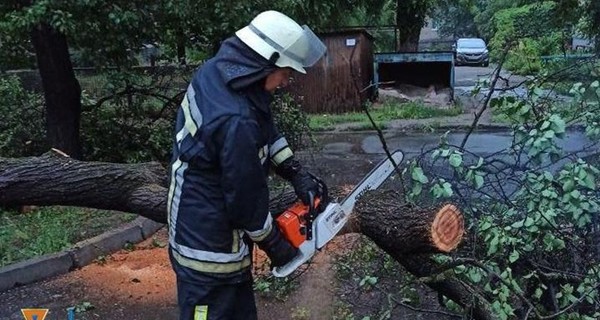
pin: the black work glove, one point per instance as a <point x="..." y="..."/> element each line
<point x="277" y="248"/>
<point x="304" y="184"/>
<point x="301" y="180"/>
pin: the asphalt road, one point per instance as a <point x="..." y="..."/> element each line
<point x="467" y="76"/>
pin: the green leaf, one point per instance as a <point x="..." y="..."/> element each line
<point x="568" y="186"/>
<point x="549" y="134"/>
<point x="475" y="275"/>
<point x="455" y="160"/>
<point x="528" y="222"/>
<point x="447" y="189"/>
<point x="558" y="243"/>
<point x="417" y="189"/>
<point x="517" y="224"/>
<point x="418" y="175"/>
<point x="493" y="245"/>
<point x="558" y="124"/>
<point x="478" y="181"/>
<point x="485" y="225"/>
<point x="589" y="182"/>
<point x="538" y="293"/>
<point x="514" y="256"/>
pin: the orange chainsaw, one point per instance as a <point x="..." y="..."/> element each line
<point x="310" y="227"/>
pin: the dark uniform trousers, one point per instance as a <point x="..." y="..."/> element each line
<point x="220" y="302"/>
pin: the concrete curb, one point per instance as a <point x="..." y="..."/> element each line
<point x="81" y="254"/>
<point x="420" y="129"/>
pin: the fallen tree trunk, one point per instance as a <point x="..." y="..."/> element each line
<point x="406" y="233"/>
<point x="55" y="179"/>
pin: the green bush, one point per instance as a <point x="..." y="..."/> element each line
<point x="530" y="31"/>
<point x="22" y="131"/>
<point x="291" y="121"/>
<point x="524" y="58"/>
<point x="118" y="126"/>
<point x="127" y="127"/>
<point x="532" y="245"/>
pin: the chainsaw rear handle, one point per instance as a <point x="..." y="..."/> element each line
<point x="312" y="214"/>
<point x="323" y="196"/>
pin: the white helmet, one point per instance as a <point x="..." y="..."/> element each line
<point x="271" y="31"/>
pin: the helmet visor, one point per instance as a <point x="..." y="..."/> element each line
<point x="307" y="49"/>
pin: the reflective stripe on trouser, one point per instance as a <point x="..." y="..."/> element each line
<point x="232" y="301"/>
<point x="201" y="313"/>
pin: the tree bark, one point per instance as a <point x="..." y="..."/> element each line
<point x="55" y="179"/>
<point x="61" y="89"/>
<point x="405" y="232"/>
<point x="410" y="19"/>
<point x="180" y="39"/>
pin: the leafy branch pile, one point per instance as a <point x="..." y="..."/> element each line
<point x="533" y="248"/>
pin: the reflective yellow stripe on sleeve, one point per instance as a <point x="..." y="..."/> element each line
<point x="189" y="122"/>
<point x="281" y="156"/>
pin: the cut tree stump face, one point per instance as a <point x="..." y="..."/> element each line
<point x="447" y="229"/>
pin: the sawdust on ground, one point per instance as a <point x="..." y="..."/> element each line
<point x="139" y="285"/>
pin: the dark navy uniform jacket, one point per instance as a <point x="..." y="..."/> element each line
<point x="225" y="141"/>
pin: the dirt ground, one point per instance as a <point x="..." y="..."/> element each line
<point x="140" y="284"/>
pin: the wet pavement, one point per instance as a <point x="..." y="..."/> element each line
<point x="482" y="143"/>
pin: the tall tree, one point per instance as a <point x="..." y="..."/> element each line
<point x="592" y="8"/>
<point x="410" y="19"/>
<point x="103" y="31"/>
<point x="61" y="88"/>
<point x="456" y="18"/>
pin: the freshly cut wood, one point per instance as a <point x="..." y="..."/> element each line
<point x="406" y="228"/>
<point x="448" y="228"/>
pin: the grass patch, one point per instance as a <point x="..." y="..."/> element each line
<point x="51" y="229"/>
<point x="382" y="115"/>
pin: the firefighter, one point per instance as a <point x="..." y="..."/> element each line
<point x="225" y="143"/>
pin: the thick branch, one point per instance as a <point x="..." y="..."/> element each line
<point x="54" y="179"/>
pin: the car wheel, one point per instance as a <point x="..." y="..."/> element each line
<point x="486" y="64"/>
